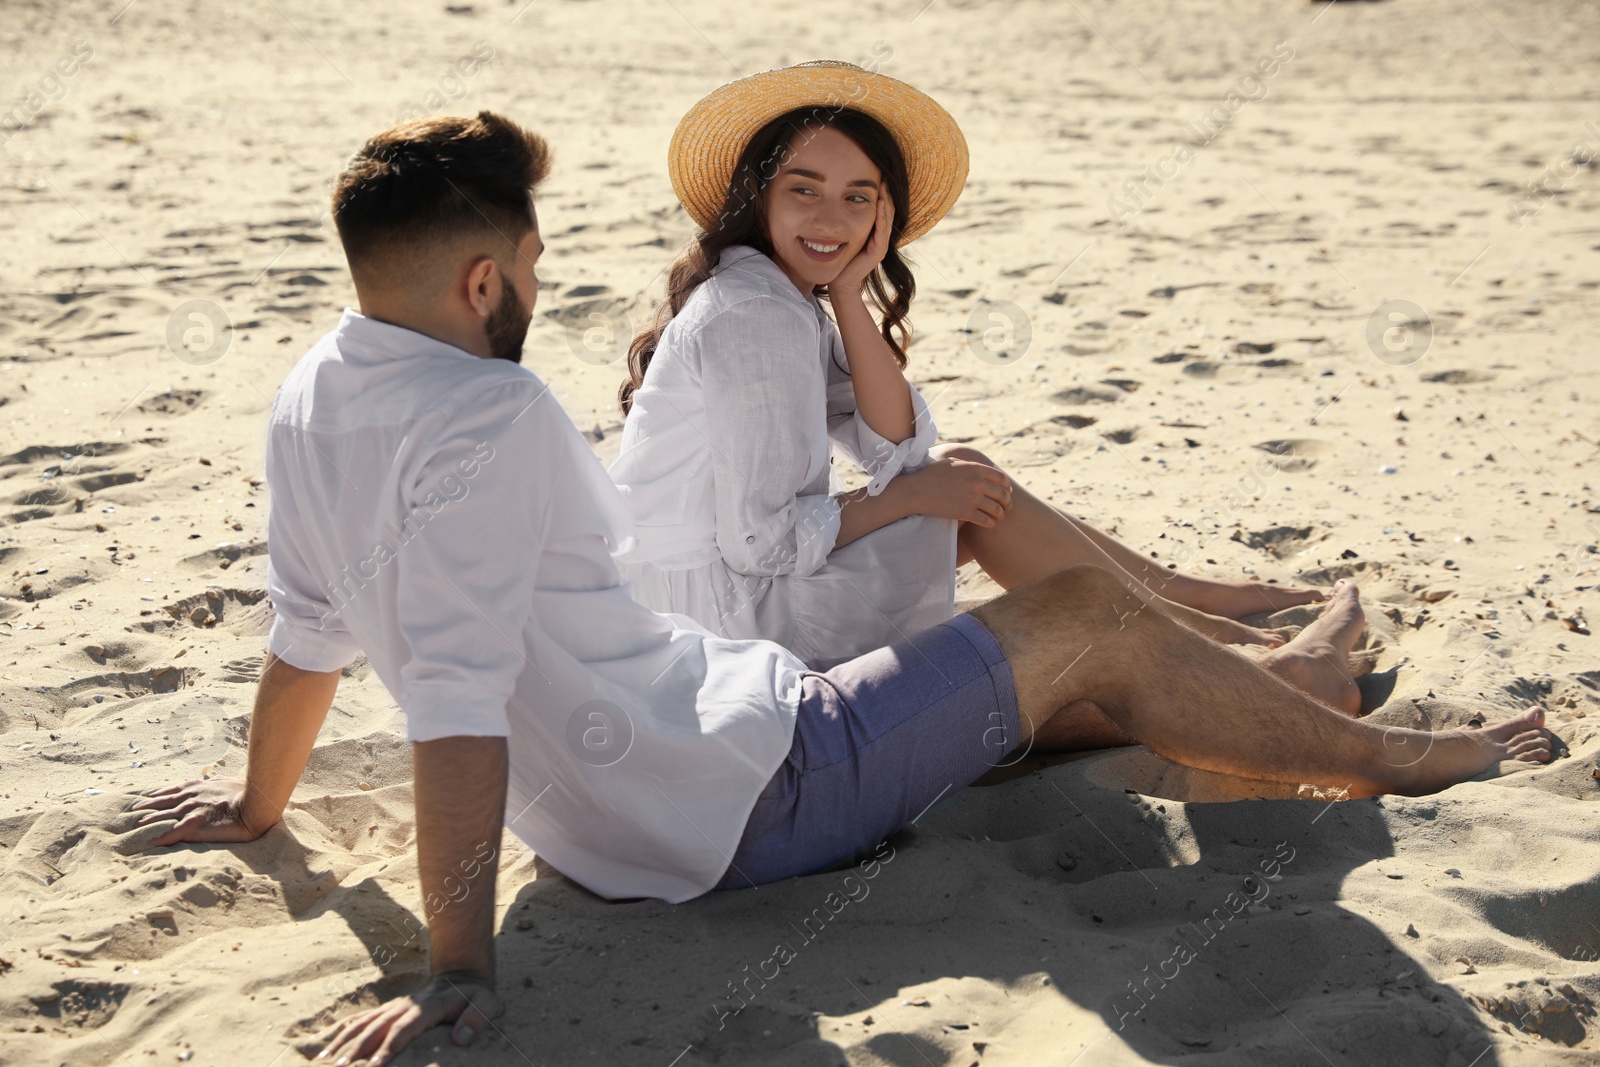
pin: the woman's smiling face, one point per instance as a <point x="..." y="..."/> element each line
<point x="821" y="206"/>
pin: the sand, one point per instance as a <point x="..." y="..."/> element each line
<point x="1183" y="358"/>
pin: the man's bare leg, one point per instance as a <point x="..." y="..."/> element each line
<point x="1078" y="727"/>
<point x="1079" y="635"/>
<point x="1316" y="662"/>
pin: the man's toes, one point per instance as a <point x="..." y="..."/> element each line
<point x="1530" y="720"/>
<point x="1530" y="747"/>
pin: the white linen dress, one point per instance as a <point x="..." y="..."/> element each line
<point x="726" y="463"/>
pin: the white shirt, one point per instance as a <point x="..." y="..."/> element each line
<point x="440" y="513"/>
<point x="726" y="464"/>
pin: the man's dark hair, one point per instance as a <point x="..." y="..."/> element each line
<point x="421" y="187"/>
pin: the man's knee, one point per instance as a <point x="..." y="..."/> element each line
<point x="1079" y="596"/>
<point x="1084" y="584"/>
<point x="971" y="455"/>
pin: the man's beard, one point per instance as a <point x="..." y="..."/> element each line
<point x="508" y="326"/>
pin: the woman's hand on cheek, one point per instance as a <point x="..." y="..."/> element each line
<point x="854" y="275"/>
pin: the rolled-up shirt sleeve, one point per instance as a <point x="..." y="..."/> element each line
<point x="306" y="629"/>
<point x="758" y="363"/>
<point x="881" y="458"/>
<point x="467" y="559"/>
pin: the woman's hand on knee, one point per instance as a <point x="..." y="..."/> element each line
<point x="963" y="490"/>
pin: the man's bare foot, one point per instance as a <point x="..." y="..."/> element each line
<point x="1317" y="661"/>
<point x="1235" y="600"/>
<point x="1419" y="762"/>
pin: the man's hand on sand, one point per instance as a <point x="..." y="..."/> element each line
<point x="207" y="809"/>
<point x="379" y="1034"/>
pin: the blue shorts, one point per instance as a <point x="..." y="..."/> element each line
<point x="877" y="741"/>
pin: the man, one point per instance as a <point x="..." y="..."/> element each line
<point x="434" y="508"/>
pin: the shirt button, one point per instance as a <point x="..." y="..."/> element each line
<point x="750" y="540"/>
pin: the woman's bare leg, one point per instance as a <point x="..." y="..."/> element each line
<point x="1226" y="600"/>
<point x="1034" y="539"/>
<point x="1230" y="600"/>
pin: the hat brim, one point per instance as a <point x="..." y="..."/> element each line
<point x="709" y="140"/>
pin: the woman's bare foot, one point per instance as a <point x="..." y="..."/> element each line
<point x="1420" y="762"/>
<point x="1227" y="631"/>
<point x="1235" y="600"/>
<point x="1317" y="661"/>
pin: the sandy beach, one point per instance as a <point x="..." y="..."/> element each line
<point x="1286" y="290"/>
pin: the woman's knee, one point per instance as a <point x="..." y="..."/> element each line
<point x="962" y="452"/>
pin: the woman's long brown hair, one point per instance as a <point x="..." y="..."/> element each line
<point x="743" y="221"/>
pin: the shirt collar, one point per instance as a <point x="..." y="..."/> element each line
<point x="385" y="338"/>
<point x="759" y="263"/>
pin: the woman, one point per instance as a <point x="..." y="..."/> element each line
<point x="805" y="182"/>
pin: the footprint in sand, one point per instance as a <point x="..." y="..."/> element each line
<point x="1087" y="394"/>
<point x="296" y="231"/>
<point x="121" y="718"/>
<point x="1278" y="363"/>
<point x="1280" y="541"/>
<point x="56" y="323"/>
<point x="95" y="483"/>
<point x="139" y="717"/>
<point x="64" y="458"/>
<point x="1167" y="292"/>
<point x="225" y="556"/>
<point x="1525" y="691"/>
<point x="1294" y="455"/>
<point x="1458" y="377"/>
<point x="239" y="611"/>
<point x="104" y="653"/>
<point x="78" y="1005"/>
<point x="1557" y="1013"/>
<point x="1210" y="370"/>
<point x="127" y="684"/>
<point x="57" y="494"/>
<point x="47" y="497"/>
<point x="242" y="671"/>
<point x="173" y="402"/>
<point x="579" y="315"/>
<point x="1328" y="575"/>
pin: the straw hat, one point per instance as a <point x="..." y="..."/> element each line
<point x="708" y="142"/>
